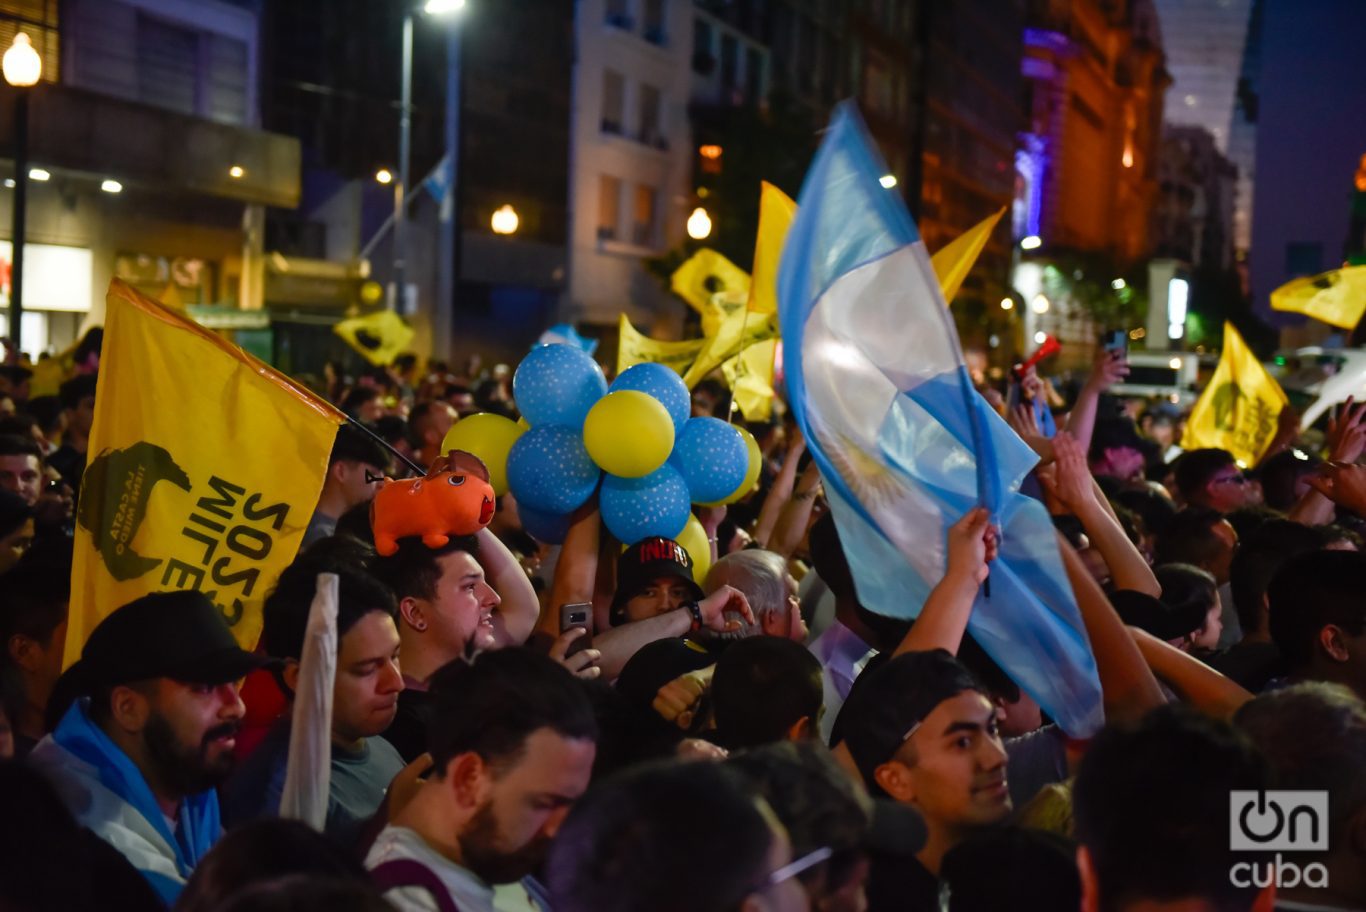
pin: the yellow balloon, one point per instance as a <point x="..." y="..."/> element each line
<point x="629" y="433"/>
<point x="693" y="538"/>
<point x="490" y="437"/>
<point x="756" y="463"/>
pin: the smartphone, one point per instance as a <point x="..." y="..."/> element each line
<point x="577" y="614"/>
<point x="1115" y="340"/>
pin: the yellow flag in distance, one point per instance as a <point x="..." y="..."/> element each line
<point x="776" y="211"/>
<point x="634" y="347"/>
<point x="1337" y="297"/>
<point x="703" y="275"/>
<point x="1240" y="407"/>
<point x="955" y="260"/>
<point x="379" y="337"/>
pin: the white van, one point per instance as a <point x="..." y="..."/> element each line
<point x="1166" y="375"/>
<point x="1316" y="379"/>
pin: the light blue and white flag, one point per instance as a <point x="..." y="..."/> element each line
<point x="566" y="334"/>
<point x="905" y="445"/>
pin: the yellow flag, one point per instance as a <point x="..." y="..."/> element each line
<point x="1239" y="409"/>
<point x="205" y="466"/>
<point x="50" y="373"/>
<point x="634" y="347"/>
<point x="750" y="376"/>
<point x="953" y="262"/>
<point x="706" y="273"/>
<point x="737" y="331"/>
<point x="380" y="337"/>
<point x="1337" y="297"/>
<point x="776" y="210"/>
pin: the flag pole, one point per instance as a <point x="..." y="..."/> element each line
<point x="412" y="466"/>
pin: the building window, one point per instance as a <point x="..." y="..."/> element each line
<point x="703" y="55"/>
<point x="650" y="132"/>
<point x="619" y="14"/>
<point x="653" y="21"/>
<point x="609" y="208"/>
<point x="168" y="65"/>
<point x="643" y="221"/>
<point x="730" y="61"/>
<point x="613" y="101"/>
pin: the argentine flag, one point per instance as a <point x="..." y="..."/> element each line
<point x="905" y="445"/>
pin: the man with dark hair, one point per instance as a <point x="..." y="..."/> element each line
<point x="820" y="806"/>
<point x="466" y="597"/>
<point x="364" y="403"/>
<point x="688" y="837"/>
<point x="78" y="405"/>
<point x="512" y="739"/>
<point x="1254" y="660"/>
<point x="364" y="693"/>
<point x="355" y="468"/>
<point x="33" y="640"/>
<point x="1152" y="811"/>
<point x="1318" y="618"/>
<point x="1315" y="737"/>
<point x="1210" y="478"/>
<point x="1116" y="450"/>
<point x="766" y="689"/>
<point x="136" y="758"/>
<point x="21" y="467"/>
<point x="428" y="424"/>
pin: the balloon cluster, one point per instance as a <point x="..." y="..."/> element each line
<point x="635" y="438"/>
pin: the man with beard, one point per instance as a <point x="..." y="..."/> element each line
<point x="136" y="758"/>
<point x="512" y="738"/>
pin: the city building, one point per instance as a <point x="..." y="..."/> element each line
<point x="631" y="157"/>
<point x="1194" y="217"/>
<point x="1087" y="166"/>
<point x="147" y="160"/>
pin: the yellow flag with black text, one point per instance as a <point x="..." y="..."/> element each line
<point x="1337" y="297"/>
<point x="705" y="274"/>
<point x="1240" y="407"/>
<point x="205" y="466"/>
<point x="634" y="347"/>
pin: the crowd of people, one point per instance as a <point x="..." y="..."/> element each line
<point x="752" y="738"/>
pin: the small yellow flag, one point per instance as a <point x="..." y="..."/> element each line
<point x="634" y="347"/>
<point x="50" y="373"/>
<point x="738" y="331"/>
<point x="1337" y="297"/>
<point x="205" y="466"/>
<point x="750" y="377"/>
<point x="953" y="262"/>
<point x="1240" y="407"/>
<point x="706" y="273"/>
<point x="776" y="210"/>
<point x="380" y="337"/>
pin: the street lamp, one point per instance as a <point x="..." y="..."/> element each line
<point x="505" y="220"/>
<point x="405" y="126"/>
<point x="699" y="224"/>
<point x="22" y="68"/>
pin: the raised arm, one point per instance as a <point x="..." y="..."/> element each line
<point x="1075" y="489"/>
<point x="796" y="515"/>
<point x="1194" y="681"/>
<point x="576" y="570"/>
<point x="780" y="492"/>
<point x="1128" y="686"/>
<point x="619" y="643"/>
<point x="1108" y="369"/>
<point x="944" y="617"/>
<point x="515" y="617"/>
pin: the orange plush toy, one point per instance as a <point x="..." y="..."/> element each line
<point x="453" y="498"/>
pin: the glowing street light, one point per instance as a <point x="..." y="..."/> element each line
<point x="888" y="181"/>
<point x="1119" y="284"/>
<point x="384" y="176"/>
<point x="237" y="172"/>
<point x="505" y="220"/>
<point x="21" y="64"/>
<point x="1007" y="304"/>
<point x="22" y="68"/>
<point x="699" y="224"/>
<point x="1039" y="305"/>
<point x="111" y="186"/>
<point x="1033" y="242"/>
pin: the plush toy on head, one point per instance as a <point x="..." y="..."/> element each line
<point x="453" y="498"/>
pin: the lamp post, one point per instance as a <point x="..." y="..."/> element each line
<point x="405" y="127"/>
<point x="22" y="68"/>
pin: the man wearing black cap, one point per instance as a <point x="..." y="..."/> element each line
<point x="137" y="757"/>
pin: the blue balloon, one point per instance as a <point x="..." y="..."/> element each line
<point x="557" y="384"/>
<point x="547" y="528"/>
<point x="549" y="469"/>
<point x="636" y="508"/>
<point x="712" y="457"/>
<point x="662" y="383"/>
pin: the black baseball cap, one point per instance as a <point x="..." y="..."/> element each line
<point x="648" y="560"/>
<point x="1162" y="620"/>
<point x="896" y="697"/>
<point x="179" y="635"/>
